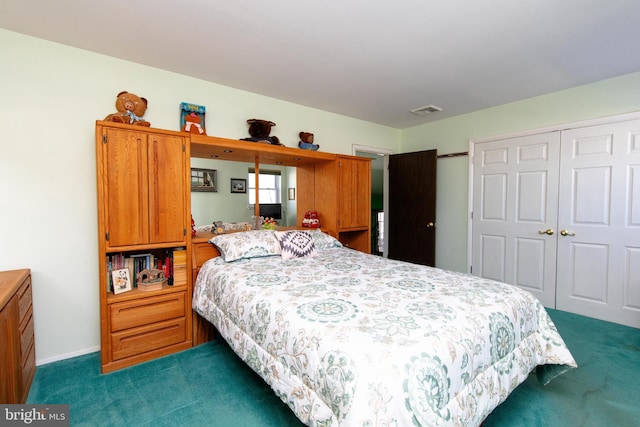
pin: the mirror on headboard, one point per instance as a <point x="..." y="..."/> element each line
<point x="223" y="205"/>
<point x="232" y="159"/>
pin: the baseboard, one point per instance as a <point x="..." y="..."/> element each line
<point x="59" y="357"/>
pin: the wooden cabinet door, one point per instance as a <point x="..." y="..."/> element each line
<point x="355" y="193"/>
<point x="126" y="207"/>
<point x="144" y="187"/>
<point x="167" y="192"/>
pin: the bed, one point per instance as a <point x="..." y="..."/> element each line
<point x="346" y="338"/>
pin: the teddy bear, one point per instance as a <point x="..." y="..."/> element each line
<point x="306" y="141"/>
<point x="259" y="130"/>
<point x="130" y="109"/>
<point x="193" y="124"/>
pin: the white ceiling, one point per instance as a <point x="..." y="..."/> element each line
<point x="370" y="59"/>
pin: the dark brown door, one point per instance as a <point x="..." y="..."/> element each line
<point x="412" y="207"/>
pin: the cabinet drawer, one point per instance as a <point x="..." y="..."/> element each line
<point x="26" y="334"/>
<point x="146" y="338"/>
<point x="24" y="298"/>
<point x="143" y="311"/>
<point x="28" y="369"/>
<point x="203" y="252"/>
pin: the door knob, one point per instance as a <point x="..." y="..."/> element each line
<point x="567" y="233"/>
<point x="548" y="231"/>
<point x="430" y="224"/>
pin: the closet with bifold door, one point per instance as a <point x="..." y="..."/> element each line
<point x="557" y="212"/>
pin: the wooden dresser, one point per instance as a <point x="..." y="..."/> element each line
<point x="18" y="356"/>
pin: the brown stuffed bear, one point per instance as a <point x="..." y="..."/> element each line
<point x="260" y="130"/>
<point x="306" y="141"/>
<point x="130" y="109"/>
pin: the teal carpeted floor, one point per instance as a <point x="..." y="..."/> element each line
<point x="209" y="386"/>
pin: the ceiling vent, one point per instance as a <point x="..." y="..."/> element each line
<point x="427" y="109"/>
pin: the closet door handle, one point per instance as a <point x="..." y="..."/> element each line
<point x="548" y="231"/>
<point x="567" y="233"/>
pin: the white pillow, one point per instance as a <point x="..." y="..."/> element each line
<point x="295" y="243"/>
<point x="247" y="244"/>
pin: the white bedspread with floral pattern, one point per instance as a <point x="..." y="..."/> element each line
<point x="350" y="339"/>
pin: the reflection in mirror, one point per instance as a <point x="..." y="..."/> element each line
<point x="207" y="207"/>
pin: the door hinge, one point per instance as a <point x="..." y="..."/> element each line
<point x="184" y="231"/>
<point x="104" y="138"/>
<point x="184" y="148"/>
<point x="106" y="236"/>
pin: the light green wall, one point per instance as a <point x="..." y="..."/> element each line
<point x="51" y="96"/>
<point x="605" y="98"/>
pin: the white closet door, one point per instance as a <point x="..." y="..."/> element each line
<point x="515" y="199"/>
<point x="599" y="220"/>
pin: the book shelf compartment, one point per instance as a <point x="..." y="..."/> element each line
<point x="171" y="261"/>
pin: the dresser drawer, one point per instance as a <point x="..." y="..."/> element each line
<point x="24" y="298"/>
<point x="147" y="338"/>
<point x="26" y="334"/>
<point x="28" y="368"/>
<point x="143" y="311"/>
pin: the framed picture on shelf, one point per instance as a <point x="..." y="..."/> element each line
<point x="121" y="280"/>
<point x="204" y="180"/>
<point x="238" y="185"/>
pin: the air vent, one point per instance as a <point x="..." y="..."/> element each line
<point x="427" y="109"/>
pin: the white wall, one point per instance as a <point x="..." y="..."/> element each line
<point x="608" y="97"/>
<point x="51" y="96"/>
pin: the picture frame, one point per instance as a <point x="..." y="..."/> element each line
<point x="292" y="194"/>
<point x="238" y="185"/>
<point x="204" y="180"/>
<point x="121" y="280"/>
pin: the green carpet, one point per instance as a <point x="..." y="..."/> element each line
<point x="209" y="386"/>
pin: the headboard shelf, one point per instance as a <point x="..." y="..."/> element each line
<point x="209" y="147"/>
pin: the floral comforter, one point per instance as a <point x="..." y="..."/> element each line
<point x="350" y="339"/>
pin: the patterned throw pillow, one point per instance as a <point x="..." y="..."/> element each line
<point x="295" y="243"/>
<point x="247" y="244"/>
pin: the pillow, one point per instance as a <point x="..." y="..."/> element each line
<point x="246" y="244"/>
<point x="295" y="243"/>
<point x="324" y="241"/>
<point x="239" y="226"/>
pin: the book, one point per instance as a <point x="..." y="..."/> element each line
<point x="179" y="266"/>
<point x="192" y="118"/>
